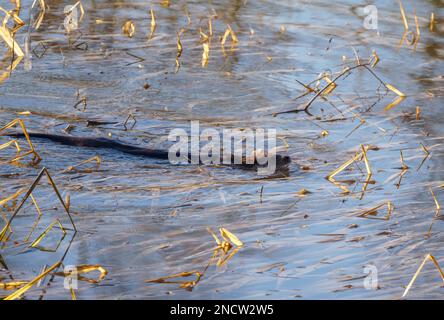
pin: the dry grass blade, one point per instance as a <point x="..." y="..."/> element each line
<point x="438" y="207"/>
<point x="368" y="180"/>
<point x="432" y="22"/>
<point x="229" y="240"/>
<point x="233" y="35"/>
<point x="42" y="12"/>
<point x="403" y="38"/>
<point x="303" y="193"/>
<point x="13" y="123"/>
<point x="68" y="201"/>
<point x="9" y="143"/>
<point x="228" y="236"/>
<point x="95" y="159"/>
<point x="187" y="14"/>
<point x="393" y="104"/>
<point x="11" y="68"/>
<point x="18" y="5"/>
<point x="82" y="10"/>
<point x="392" y="88"/>
<point x="179" y="52"/>
<point x="358" y="157"/>
<point x="427" y="152"/>
<point x="179" y="47"/>
<point x="427" y="257"/>
<point x="128" y="29"/>
<point x="225" y="36"/>
<point x="375" y="59"/>
<point x="12" y="14"/>
<point x="39" y="239"/>
<point x="12" y="197"/>
<point x="210" y="27"/>
<point x="367" y="164"/>
<point x="183" y="284"/>
<point x="17" y="294"/>
<point x="403" y="165"/>
<point x="229" y="32"/>
<point x="203" y="36"/>
<point x="216" y="238"/>
<point x="373" y="212"/>
<point x="8" y="37"/>
<point x="73" y="294"/>
<point x="344" y="166"/>
<point x="307" y="87"/>
<point x="225" y="258"/>
<point x="418" y="32"/>
<point x="342" y="187"/>
<point x="5" y="219"/>
<point x="85" y="268"/>
<point x="206" y="53"/>
<point x="404" y="18"/>
<point x="331" y="86"/>
<point x="12" y="285"/>
<point x="153" y="24"/>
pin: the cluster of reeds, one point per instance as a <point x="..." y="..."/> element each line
<point x="361" y="155"/>
<point x="222" y="253"/>
<point x="326" y="84"/>
<point x="10" y="24"/>
<point x="129" y="29"/>
<point x="12" y="205"/>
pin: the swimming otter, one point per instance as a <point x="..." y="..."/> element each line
<point x="282" y="162"/>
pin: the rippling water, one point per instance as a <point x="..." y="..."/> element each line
<point x="144" y="219"/>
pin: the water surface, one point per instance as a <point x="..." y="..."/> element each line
<point x="144" y="219"/>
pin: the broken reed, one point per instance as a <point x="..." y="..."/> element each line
<point x="428" y="257"/>
<point x="36" y="159"/>
<point x="223" y="250"/>
<point x="332" y="84"/>
<point x="23" y="286"/>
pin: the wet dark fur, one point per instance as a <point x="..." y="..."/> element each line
<point x="282" y="162"/>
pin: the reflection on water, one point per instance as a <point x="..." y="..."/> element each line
<point x="303" y="236"/>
